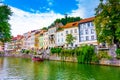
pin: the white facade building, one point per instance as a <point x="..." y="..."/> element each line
<point x="29" y="40"/>
<point x="32" y="40"/>
<point x="52" y="34"/>
<point x="45" y="40"/>
<point x="60" y="38"/>
<point x="72" y="28"/>
<point x="87" y="33"/>
<point x="26" y="40"/>
<point x="69" y="28"/>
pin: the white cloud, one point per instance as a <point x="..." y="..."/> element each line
<point x="22" y="21"/>
<point x="86" y="8"/>
<point x="80" y="11"/>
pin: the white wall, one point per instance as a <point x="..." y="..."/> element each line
<point x="87" y="33"/>
<point x="74" y="31"/>
<point x="60" y="38"/>
<point x="45" y="39"/>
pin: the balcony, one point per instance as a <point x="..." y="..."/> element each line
<point x="52" y="37"/>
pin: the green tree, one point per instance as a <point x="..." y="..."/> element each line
<point x="67" y="20"/>
<point x="107" y="21"/>
<point x="44" y="28"/>
<point x="5" y="13"/>
<point x="69" y="39"/>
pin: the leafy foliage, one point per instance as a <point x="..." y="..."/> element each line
<point x="84" y="53"/>
<point x="70" y="39"/>
<point x="5" y="13"/>
<point x="107" y="21"/>
<point x="44" y="28"/>
<point x="55" y="50"/>
<point x="64" y="21"/>
<point x="118" y="53"/>
<point x="103" y="54"/>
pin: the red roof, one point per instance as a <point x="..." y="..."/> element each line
<point x="18" y="37"/>
<point x="87" y="20"/>
<point x="72" y="24"/>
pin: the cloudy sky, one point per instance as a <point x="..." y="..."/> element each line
<point x="35" y="14"/>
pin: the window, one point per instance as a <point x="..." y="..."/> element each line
<point x="75" y="30"/>
<point x="75" y="37"/>
<point x="84" y="25"/>
<point x="87" y="38"/>
<point x="62" y="39"/>
<point x="66" y="32"/>
<point x="92" y="31"/>
<point x="92" y="37"/>
<point x="86" y="31"/>
<point x="61" y="34"/>
<point x="88" y="24"/>
<point x="81" y="39"/>
<point x="81" y="26"/>
<point x="81" y="32"/>
<point x="71" y="31"/>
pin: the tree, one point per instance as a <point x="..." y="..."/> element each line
<point x="66" y="20"/>
<point x="107" y="21"/>
<point x="5" y="13"/>
<point x="44" y="28"/>
<point x="70" y="39"/>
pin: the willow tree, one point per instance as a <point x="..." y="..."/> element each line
<point x="107" y="21"/>
<point x="5" y="13"/>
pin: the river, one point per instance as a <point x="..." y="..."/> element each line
<point x="26" y="69"/>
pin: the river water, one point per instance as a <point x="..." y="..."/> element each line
<point x="26" y="69"/>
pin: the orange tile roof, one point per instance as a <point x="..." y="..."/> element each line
<point x="87" y="20"/>
<point x="18" y="37"/>
<point x="43" y="31"/>
<point x="72" y="24"/>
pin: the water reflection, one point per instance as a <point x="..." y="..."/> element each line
<point x="25" y="69"/>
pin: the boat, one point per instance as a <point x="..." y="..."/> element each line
<point x="37" y="58"/>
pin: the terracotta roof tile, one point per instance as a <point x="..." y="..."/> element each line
<point x="70" y="25"/>
<point x="43" y="31"/>
<point x="87" y="20"/>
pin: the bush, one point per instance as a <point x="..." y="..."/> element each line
<point x="95" y="58"/>
<point x="55" y="50"/>
<point x="103" y="54"/>
<point x="67" y="52"/>
<point x="118" y="53"/>
<point x="85" y="53"/>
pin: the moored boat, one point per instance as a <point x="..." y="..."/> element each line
<point x="37" y="58"/>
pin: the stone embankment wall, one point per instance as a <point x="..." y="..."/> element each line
<point x="74" y="59"/>
<point x="68" y="59"/>
<point x="59" y="58"/>
<point x="17" y="55"/>
<point x="110" y="62"/>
